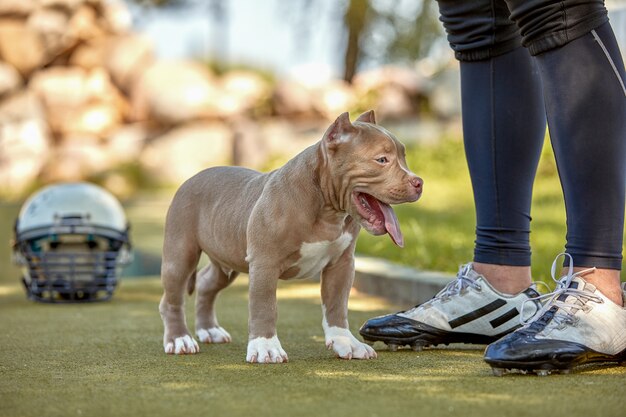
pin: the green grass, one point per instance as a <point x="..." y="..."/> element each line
<point x="107" y="360"/>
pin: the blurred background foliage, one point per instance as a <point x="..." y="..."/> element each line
<point x="375" y="30"/>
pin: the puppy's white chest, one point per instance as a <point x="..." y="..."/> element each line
<point x="314" y="256"/>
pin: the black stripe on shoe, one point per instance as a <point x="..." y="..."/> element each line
<point x="478" y="313"/>
<point x="499" y="321"/>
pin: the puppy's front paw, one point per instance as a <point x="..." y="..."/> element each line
<point x="264" y="350"/>
<point x="346" y="346"/>
<point x="213" y="335"/>
<point x="181" y="345"/>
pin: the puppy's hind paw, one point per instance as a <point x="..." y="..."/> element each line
<point x="213" y="335"/>
<point x="181" y="346"/>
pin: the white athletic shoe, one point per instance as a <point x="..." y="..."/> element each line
<point x="467" y="310"/>
<point x="576" y="325"/>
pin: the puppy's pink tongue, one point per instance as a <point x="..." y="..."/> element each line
<point x="391" y="224"/>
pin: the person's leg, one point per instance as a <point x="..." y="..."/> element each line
<point x="503" y="126"/>
<point x="503" y="129"/>
<point x="583" y="77"/>
<point x="586" y="107"/>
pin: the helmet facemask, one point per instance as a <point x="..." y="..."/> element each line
<point x="71" y="260"/>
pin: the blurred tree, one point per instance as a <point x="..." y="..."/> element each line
<point x="372" y="30"/>
<point x="413" y="26"/>
<point x="218" y="14"/>
<point x="356" y="22"/>
<point x="381" y="30"/>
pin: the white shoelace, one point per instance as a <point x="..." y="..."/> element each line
<point x="569" y="306"/>
<point x="462" y="281"/>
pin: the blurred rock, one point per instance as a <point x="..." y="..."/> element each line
<point x="333" y="98"/>
<point x="128" y="58"/>
<point x="175" y="92"/>
<point x="186" y="150"/>
<point x="126" y="143"/>
<point x="119" y="185"/>
<point x="403" y="78"/>
<point x="66" y="5"/>
<point x="20" y="46"/>
<point x="291" y="98"/>
<point x="286" y="138"/>
<point x="78" y="101"/>
<point x="393" y="103"/>
<point x="97" y="119"/>
<point x="91" y="54"/>
<point x="24" y="144"/>
<point x="116" y="16"/>
<point x="21" y="106"/>
<point x="61" y="86"/>
<point x="51" y="26"/>
<point x="245" y="90"/>
<point x="83" y="25"/>
<point x="16" y="7"/>
<point x="75" y="159"/>
<point x="10" y="79"/>
<point x="393" y="91"/>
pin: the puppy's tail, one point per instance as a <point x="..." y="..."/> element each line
<point x="191" y="283"/>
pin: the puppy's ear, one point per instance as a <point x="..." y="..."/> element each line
<point x="367" y="117"/>
<point x="339" y="131"/>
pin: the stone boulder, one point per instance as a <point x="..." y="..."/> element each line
<point x="393" y="91"/>
<point x="61" y="86"/>
<point x="79" y="101"/>
<point x="176" y="92"/>
<point x="10" y="79"/>
<point x="20" y="46"/>
<point x="127" y="59"/>
<point x="84" y="25"/>
<point x="51" y="27"/>
<point x="91" y="54"/>
<point x="126" y="143"/>
<point x="406" y="79"/>
<point x="75" y="159"/>
<point x="184" y="151"/>
<point x="116" y="16"/>
<point x="17" y="7"/>
<point x="24" y="142"/>
<point x="291" y="98"/>
<point x="242" y="91"/>
<point x="333" y="98"/>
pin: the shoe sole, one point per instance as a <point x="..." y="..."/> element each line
<point x="545" y="368"/>
<point x="431" y="336"/>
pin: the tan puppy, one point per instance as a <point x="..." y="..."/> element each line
<point x="294" y="222"/>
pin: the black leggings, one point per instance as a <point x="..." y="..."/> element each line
<point x="576" y="79"/>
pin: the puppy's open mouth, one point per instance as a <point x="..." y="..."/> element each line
<point x="377" y="217"/>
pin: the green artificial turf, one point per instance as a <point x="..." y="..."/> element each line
<point x="106" y="360"/>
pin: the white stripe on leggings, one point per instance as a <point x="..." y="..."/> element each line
<point x="608" y="56"/>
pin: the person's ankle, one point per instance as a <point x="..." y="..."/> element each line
<point x="607" y="281"/>
<point x="506" y="279"/>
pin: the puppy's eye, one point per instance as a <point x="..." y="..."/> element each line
<point x="382" y="160"/>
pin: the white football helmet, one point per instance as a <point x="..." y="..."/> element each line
<point x="71" y="240"/>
